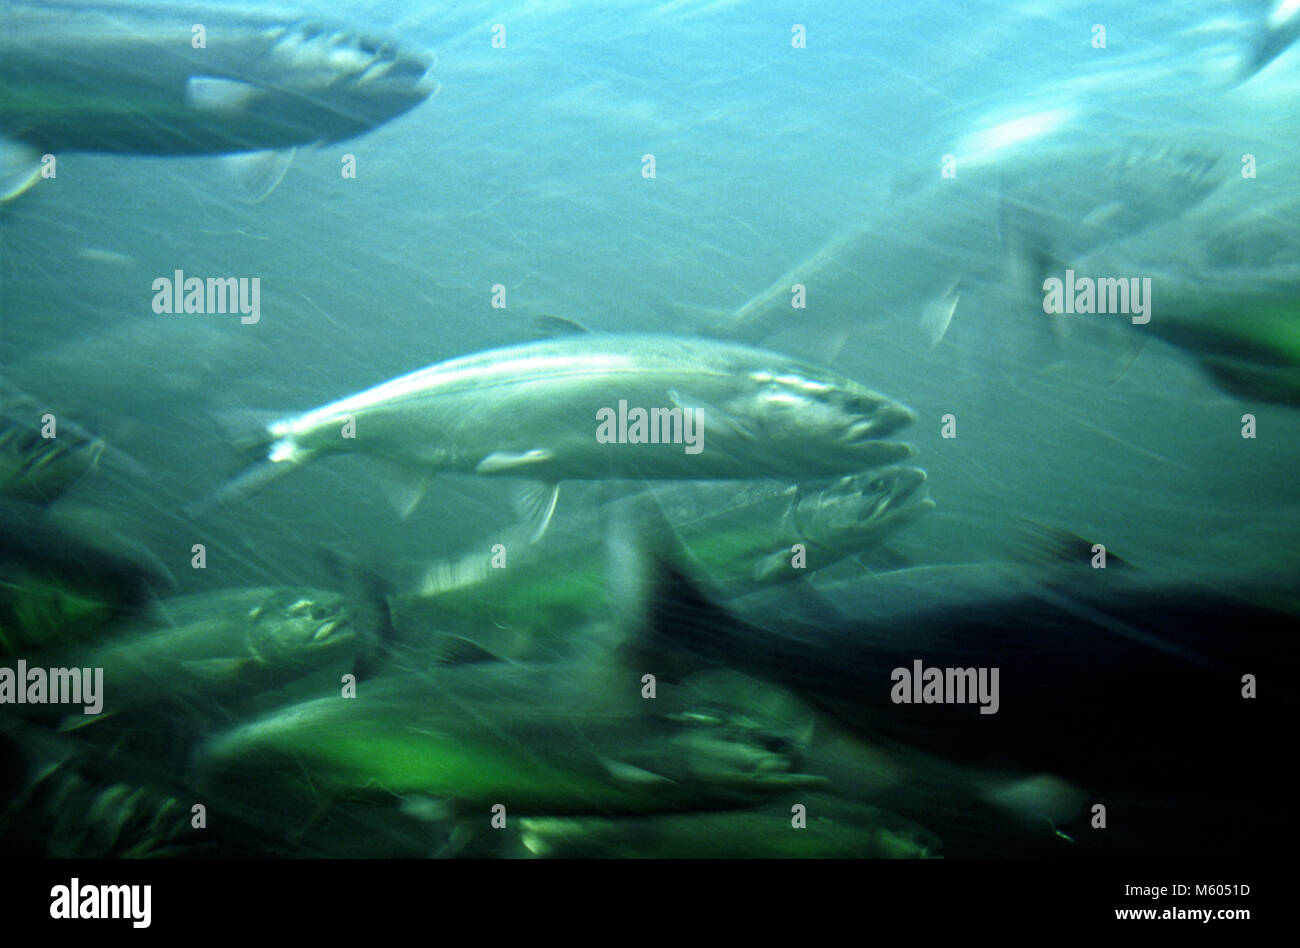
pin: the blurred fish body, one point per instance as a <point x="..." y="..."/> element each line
<point x="39" y="469"/>
<point x="739" y="534"/>
<point x="220" y="644"/>
<point x="1059" y="203"/>
<point x="58" y="580"/>
<point x="136" y="78"/>
<point x="66" y="804"/>
<point x="1143" y="656"/>
<point x="1247" y="342"/>
<point x="1030" y="193"/>
<point x="42" y="453"/>
<point x="742" y="536"/>
<point x="534" y="411"/>
<point x="534" y="738"/>
<point x="833" y="521"/>
<point x="835" y="829"/>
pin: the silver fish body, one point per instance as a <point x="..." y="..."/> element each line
<point x="134" y="78"/>
<point x="534" y="411"/>
<point x="540" y="739"/>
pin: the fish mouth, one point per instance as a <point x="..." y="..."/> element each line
<point x="410" y="70"/>
<point x="362" y="63"/>
<point x="895" y="488"/>
<point x="878" y="499"/>
<point x="329" y="631"/>
<point x="876" y="421"/>
<point x="383" y="65"/>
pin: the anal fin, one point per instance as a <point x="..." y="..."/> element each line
<point x="405" y="487"/>
<point x="536" y="505"/>
<point x="258" y="173"/>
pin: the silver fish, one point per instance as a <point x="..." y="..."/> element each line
<point x="542" y="739"/>
<point x="1030" y="196"/>
<point x="134" y="78"/>
<point x="534" y="411"/>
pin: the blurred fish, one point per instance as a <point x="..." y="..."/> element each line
<point x="534" y="411"/>
<point x="538" y="739"/>
<point x="1059" y="203"/>
<point x="223" y="646"/>
<point x="739" y="534"/>
<point x="835" y="829"/>
<point x="63" y="803"/>
<point x="133" y="77"/>
<point x="1030" y="191"/>
<point x="60" y="580"/>
<point x="34" y="467"/>
<point x="831" y="521"/>
<point x="1247" y="342"/>
<point x="1114" y="682"/>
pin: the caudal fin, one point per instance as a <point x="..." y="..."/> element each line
<point x="240" y="487"/>
<point x="1276" y="30"/>
<point x="249" y="432"/>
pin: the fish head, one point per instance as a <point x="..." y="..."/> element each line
<point x="295" y="626"/>
<point x="734" y="733"/>
<point x="39" y="469"/>
<point x="339" y="82"/>
<point x="860" y="505"/>
<point x="829" y="424"/>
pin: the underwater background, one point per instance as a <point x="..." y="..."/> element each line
<point x="819" y="164"/>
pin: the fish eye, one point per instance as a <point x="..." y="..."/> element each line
<point x="319" y="612"/>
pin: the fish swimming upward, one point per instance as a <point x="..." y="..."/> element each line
<point x="568" y="409"/>
<point x="139" y="78"/>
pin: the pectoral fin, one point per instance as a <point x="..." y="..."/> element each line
<point x="774" y="567"/>
<point x="257" y="173"/>
<point x="936" y="317"/>
<point x="629" y="773"/>
<point x="505" y="462"/>
<point x="712" y="417"/>
<point x="214" y="94"/>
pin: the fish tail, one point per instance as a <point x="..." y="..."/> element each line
<point x="244" y="485"/>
